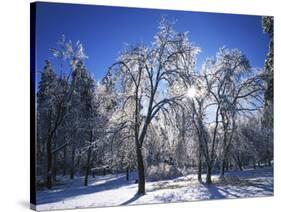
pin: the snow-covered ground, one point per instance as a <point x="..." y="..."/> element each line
<point x="113" y="190"/>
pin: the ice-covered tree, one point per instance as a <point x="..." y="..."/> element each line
<point x="143" y="73"/>
<point x="235" y="88"/>
<point x="199" y="103"/>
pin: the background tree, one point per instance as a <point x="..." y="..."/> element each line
<point x="268" y="75"/>
<point x="47" y="118"/>
<point x="235" y="87"/>
<point x="268" y="27"/>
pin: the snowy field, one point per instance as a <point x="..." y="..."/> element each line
<point x="114" y="190"/>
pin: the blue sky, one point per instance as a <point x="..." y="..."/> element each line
<point x="104" y="30"/>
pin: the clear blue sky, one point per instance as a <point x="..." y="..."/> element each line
<point x="104" y="30"/>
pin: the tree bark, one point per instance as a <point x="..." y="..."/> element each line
<point x="199" y="171"/>
<point x="240" y="166"/>
<point x="127" y="173"/>
<point x="209" y="174"/>
<point x="222" y="163"/>
<point x="54" y="171"/>
<point x="88" y="166"/>
<point x="64" y="161"/>
<point x="239" y="163"/>
<point x="72" y="162"/>
<point x="78" y="170"/>
<point x="222" y="168"/>
<point x="141" y="180"/>
<point x="49" y="162"/>
<point x="226" y="165"/>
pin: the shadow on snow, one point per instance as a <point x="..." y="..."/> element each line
<point x="77" y="188"/>
<point x="212" y="191"/>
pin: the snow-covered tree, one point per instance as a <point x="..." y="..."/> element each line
<point x="268" y="25"/>
<point x="143" y="73"/>
<point x="52" y="109"/>
<point x="235" y="88"/>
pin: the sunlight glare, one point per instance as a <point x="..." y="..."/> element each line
<point x="191" y="92"/>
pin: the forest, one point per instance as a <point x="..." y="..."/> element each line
<point x="155" y="115"/>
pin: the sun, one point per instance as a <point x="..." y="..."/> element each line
<point x="191" y="92"/>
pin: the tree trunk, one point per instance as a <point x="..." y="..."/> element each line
<point x="127" y="173"/>
<point x="209" y="174"/>
<point x="54" y="168"/>
<point x="222" y="163"/>
<point x="78" y="165"/>
<point x="254" y="164"/>
<point x="64" y="161"/>
<point x="72" y="162"/>
<point x="54" y="171"/>
<point x="239" y="163"/>
<point x="49" y="163"/>
<point x="88" y="166"/>
<point x="269" y="162"/>
<point x="240" y="166"/>
<point x="199" y="171"/>
<point x="226" y="165"/>
<point x="141" y="180"/>
<point x="222" y="167"/>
